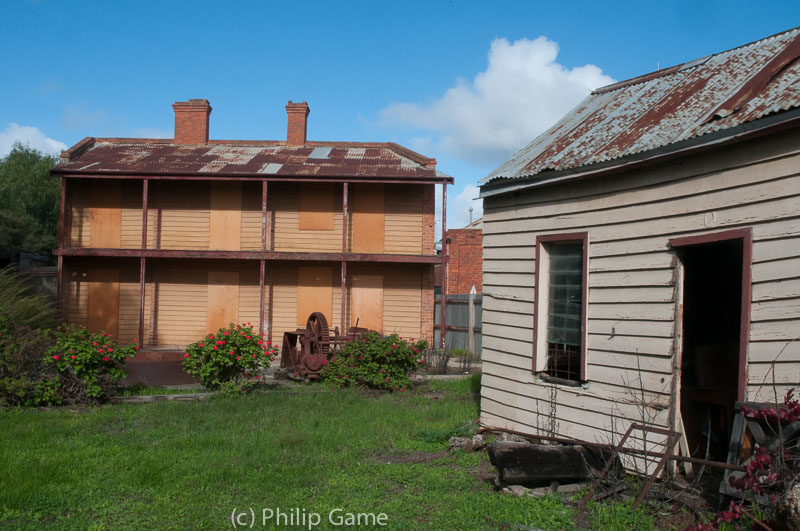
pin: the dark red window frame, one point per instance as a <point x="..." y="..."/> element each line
<point x="583" y="238"/>
<point x="746" y="235"/>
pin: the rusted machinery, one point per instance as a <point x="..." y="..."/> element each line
<point x="305" y="351"/>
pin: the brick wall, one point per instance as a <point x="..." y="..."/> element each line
<point x="466" y="260"/>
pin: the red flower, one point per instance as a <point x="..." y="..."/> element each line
<point x="135" y="340"/>
<point x="105" y="359"/>
<point x="55" y="357"/>
<point x="248" y="337"/>
<point x="238" y="358"/>
<point x="422" y="361"/>
<point x="226" y="333"/>
<point x="383" y="370"/>
<point x="394" y="345"/>
<point x="186" y="355"/>
<point x="137" y="348"/>
<point x="94" y="343"/>
<point x="387" y="378"/>
<point x="73" y="357"/>
<point x="231" y="353"/>
<point x="110" y="350"/>
<point x="345" y="377"/>
<point x="200" y="344"/>
<point x="215" y="348"/>
<point x="268" y="343"/>
<point x="100" y="350"/>
<point x="254" y="355"/>
<point x="259" y="342"/>
<point x="71" y="350"/>
<point x="402" y="390"/>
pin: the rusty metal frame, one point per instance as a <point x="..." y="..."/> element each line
<point x="672" y="439"/>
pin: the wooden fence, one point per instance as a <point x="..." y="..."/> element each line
<point x="457" y="328"/>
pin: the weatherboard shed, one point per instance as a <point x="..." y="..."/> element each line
<point x="641" y="258"/>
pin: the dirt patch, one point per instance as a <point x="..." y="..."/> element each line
<point x="433" y="395"/>
<point x="412" y="457"/>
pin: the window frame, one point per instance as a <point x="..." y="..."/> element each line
<point x="540" y="358"/>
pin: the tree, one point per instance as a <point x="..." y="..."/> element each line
<point x="29" y="198"/>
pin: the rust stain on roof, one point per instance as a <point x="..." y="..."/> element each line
<point x="109" y="156"/>
<point x="655" y="110"/>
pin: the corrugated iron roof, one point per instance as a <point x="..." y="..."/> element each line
<point x="656" y="110"/>
<point x="107" y="156"/>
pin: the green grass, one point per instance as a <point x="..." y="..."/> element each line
<point x="172" y="465"/>
<point x="144" y="390"/>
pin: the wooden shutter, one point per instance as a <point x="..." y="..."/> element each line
<point x="314" y="292"/>
<point x="368" y="218"/>
<point x="366" y="301"/>
<point x="223" y="299"/>
<point x="316" y="206"/>
<point x="103" y="304"/>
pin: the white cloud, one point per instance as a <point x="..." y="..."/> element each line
<point x="30" y="136"/>
<point x="522" y="92"/>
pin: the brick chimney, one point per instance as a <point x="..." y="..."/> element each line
<point x="298" y="119"/>
<point x="191" y="121"/>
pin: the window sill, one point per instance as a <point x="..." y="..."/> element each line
<point x="544" y="377"/>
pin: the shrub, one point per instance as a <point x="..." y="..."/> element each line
<point x="228" y="359"/>
<point x="19" y="306"/>
<point x="375" y="362"/>
<point x="67" y="366"/>
<point x="90" y="364"/>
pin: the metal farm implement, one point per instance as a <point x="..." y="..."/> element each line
<point x="305" y="351"/>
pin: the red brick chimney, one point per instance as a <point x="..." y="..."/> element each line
<point x="191" y="121"/>
<point x="298" y="119"/>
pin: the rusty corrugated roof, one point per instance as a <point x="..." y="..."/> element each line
<point x="110" y="156"/>
<point x="666" y="107"/>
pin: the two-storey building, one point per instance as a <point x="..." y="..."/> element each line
<point x="164" y="240"/>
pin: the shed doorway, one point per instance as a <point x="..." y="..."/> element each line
<point x="712" y="336"/>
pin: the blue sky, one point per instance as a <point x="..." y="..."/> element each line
<point x="465" y="82"/>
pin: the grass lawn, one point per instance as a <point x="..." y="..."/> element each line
<point x="172" y="465"/>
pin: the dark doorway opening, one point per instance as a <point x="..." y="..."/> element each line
<point x="712" y="325"/>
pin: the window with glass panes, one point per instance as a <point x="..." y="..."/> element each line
<point x="564" y="310"/>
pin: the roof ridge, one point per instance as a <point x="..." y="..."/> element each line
<point x="655" y="74"/>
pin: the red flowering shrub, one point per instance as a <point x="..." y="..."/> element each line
<point x="770" y="472"/>
<point x="375" y="362"/>
<point x="230" y="359"/>
<point x="66" y="366"/>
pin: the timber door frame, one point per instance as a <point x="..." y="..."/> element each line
<point x="746" y="236"/>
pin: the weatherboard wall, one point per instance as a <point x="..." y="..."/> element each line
<point x="633" y="281"/>
<point x="202" y="215"/>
